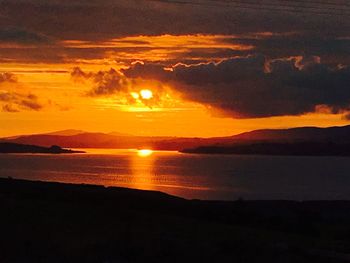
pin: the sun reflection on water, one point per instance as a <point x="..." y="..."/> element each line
<point x="142" y="167"/>
<point x="144" y="152"/>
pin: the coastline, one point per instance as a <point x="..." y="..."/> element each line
<point x="8" y="148"/>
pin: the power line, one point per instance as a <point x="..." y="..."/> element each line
<point x="317" y="2"/>
<point x="291" y="4"/>
<point x="258" y="6"/>
<point x="288" y="8"/>
<point x="184" y="2"/>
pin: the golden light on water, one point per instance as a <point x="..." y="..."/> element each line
<point x="143" y="170"/>
<point x="144" y="152"/>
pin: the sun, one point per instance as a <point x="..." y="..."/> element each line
<point x="146" y="94"/>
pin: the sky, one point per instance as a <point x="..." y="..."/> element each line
<point x="175" y="68"/>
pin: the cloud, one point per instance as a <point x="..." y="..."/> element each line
<point x="346" y="116"/>
<point x="9" y="108"/>
<point x="106" y="19"/>
<point x="253" y="86"/>
<point x="126" y="91"/>
<point x="212" y="46"/>
<point x="13" y="99"/>
<point x="332" y="49"/>
<point x="78" y="74"/>
<point x="21" y="36"/>
<point x="15" y="102"/>
<point x="104" y="82"/>
<point x="148" y="71"/>
<point x="169" y="48"/>
<point x="7" y="77"/>
<point x="109" y="82"/>
<point x="274" y="28"/>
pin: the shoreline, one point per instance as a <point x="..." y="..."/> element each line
<point x="12" y="148"/>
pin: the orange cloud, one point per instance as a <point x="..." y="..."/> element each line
<point x="127" y="92"/>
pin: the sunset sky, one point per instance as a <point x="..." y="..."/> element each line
<point x="180" y="68"/>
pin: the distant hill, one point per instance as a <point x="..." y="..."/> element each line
<point x="276" y="148"/>
<point x="68" y="132"/>
<point x="338" y="135"/>
<point x="24" y="148"/>
<point x="102" y="140"/>
<point x="331" y="134"/>
<point x="332" y="141"/>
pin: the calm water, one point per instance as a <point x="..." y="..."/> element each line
<point x="191" y="176"/>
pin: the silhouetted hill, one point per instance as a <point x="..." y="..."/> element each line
<point x="296" y="148"/>
<point x="53" y="222"/>
<point x="331" y="134"/>
<point x="124" y="141"/>
<point x="23" y="148"/>
<point x="102" y="140"/>
<point x="296" y="141"/>
<point x="68" y="132"/>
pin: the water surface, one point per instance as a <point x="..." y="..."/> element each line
<point x="191" y="176"/>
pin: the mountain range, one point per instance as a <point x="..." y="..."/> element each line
<point x="82" y="139"/>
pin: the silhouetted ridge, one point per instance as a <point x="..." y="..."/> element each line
<point x="331" y="134"/>
<point x="23" y="148"/>
<point x="54" y="222"/>
<point x="299" y="148"/>
<point x="338" y="135"/>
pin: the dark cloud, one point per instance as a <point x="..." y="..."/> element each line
<point x="149" y="71"/>
<point x="115" y="83"/>
<point x="106" y="19"/>
<point x="9" y="108"/>
<point x="296" y="28"/>
<point x="104" y="82"/>
<point x="49" y="54"/>
<point x="253" y="86"/>
<point x="206" y="54"/>
<point x="332" y="49"/>
<point x="78" y="74"/>
<point x="21" y="36"/>
<point x="109" y="82"/>
<point x="15" y="102"/>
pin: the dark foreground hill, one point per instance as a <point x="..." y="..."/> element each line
<point x="52" y="222"/>
<point x="23" y="148"/>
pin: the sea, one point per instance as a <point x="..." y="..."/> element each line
<point x="191" y="176"/>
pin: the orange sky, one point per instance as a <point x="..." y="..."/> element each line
<point x="66" y="102"/>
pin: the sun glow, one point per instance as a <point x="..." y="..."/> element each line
<point x="135" y="95"/>
<point x="144" y="152"/>
<point x="146" y="94"/>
